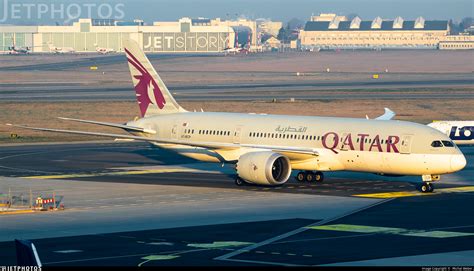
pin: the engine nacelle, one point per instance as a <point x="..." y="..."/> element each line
<point x="264" y="168"/>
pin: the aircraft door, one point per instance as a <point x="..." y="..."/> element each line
<point x="174" y="132"/>
<point x="405" y="144"/>
<point x="237" y="134"/>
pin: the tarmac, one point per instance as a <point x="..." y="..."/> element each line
<point x="313" y="89"/>
<point x="132" y="204"/>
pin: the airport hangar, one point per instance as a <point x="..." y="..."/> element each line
<point x="184" y="36"/>
<point x="329" y="31"/>
<point x="203" y="35"/>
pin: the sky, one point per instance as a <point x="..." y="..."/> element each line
<point x="278" y="10"/>
<point x="288" y="9"/>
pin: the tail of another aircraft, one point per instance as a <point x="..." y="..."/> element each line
<point x="153" y="96"/>
<point x="26" y="254"/>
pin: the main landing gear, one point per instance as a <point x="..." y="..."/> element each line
<point x="310" y="176"/>
<point x="239" y="181"/>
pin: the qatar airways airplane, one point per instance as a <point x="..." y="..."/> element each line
<point x="266" y="148"/>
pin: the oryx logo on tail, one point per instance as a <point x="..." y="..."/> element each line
<point x="147" y="90"/>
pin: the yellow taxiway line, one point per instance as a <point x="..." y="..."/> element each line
<point x="390" y="230"/>
<point x="415" y="193"/>
<point x="16" y="212"/>
<point x="116" y="173"/>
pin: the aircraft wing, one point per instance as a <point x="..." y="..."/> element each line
<point x="388" y="115"/>
<point x="210" y="145"/>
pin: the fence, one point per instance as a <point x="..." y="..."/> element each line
<point x="15" y="199"/>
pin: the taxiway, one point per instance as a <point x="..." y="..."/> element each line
<point x="133" y="204"/>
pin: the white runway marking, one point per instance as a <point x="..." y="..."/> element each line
<point x="68" y="251"/>
<point x="228" y="256"/>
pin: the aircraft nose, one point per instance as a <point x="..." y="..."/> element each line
<point x="458" y="162"/>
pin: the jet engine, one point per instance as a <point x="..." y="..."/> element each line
<point x="264" y="168"/>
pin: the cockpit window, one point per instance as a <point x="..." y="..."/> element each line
<point x="447" y="143"/>
<point x="436" y="144"/>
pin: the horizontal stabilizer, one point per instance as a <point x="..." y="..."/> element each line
<point x="115" y="125"/>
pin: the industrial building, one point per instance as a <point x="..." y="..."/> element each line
<point x="268" y="27"/>
<point x="457" y="42"/>
<point x="329" y="31"/>
<point x="184" y="36"/>
<point x="204" y="35"/>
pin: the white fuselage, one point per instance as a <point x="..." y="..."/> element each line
<point x="388" y="147"/>
<point x="461" y="132"/>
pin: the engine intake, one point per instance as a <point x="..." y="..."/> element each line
<point x="264" y="168"/>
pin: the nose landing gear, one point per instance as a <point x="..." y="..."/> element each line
<point x="426" y="187"/>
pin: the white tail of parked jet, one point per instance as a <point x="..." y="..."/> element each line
<point x="153" y="96"/>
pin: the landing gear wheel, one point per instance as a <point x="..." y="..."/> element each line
<point x="426" y="188"/>
<point x="319" y="176"/>
<point x="239" y="181"/>
<point x="431" y="187"/>
<point x="309" y="177"/>
<point x="301" y="176"/>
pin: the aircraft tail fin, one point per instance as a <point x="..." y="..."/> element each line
<point x="153" y="96"/>
<point x="26" y="254"/>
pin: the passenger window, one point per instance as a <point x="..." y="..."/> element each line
<point x="436" y="144"/>
<point x="448" y="144"/>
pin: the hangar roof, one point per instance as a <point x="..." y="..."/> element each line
<point x="367" y="26"/>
